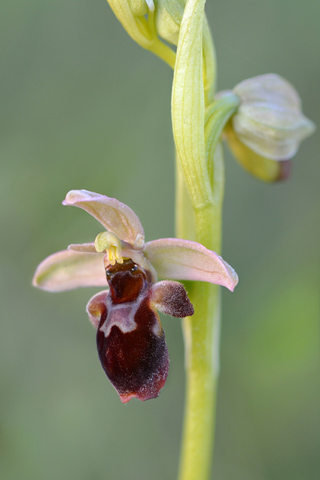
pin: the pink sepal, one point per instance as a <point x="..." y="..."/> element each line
<point x="186" y="260"/>
<point x="83" y="247"/>
<point x="115" y="216"/>
<point x="68" y="269"/>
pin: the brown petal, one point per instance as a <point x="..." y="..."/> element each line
<point x="171" y="298"/>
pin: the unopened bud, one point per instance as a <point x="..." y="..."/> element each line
<point x="140" y="8"/>
<point x="168" y="19"/>
<point x="269" y="120"/>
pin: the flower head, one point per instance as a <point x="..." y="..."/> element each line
<point x="268" y="127"/>
<point x="130" y="339"/>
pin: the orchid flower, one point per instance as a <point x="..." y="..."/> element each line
<point x="130" y="339"/>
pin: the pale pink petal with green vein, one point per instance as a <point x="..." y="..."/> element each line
<point x="185" y="260"/>
<point x="83" y="247"/>
<point x="68" y="269"/>
<point x="115" y="216"/>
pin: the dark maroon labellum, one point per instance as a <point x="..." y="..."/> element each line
<point x="130" y="339"/>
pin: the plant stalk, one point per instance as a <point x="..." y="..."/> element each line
<point x="201" y="333"/>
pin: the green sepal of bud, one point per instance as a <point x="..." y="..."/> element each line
<point x="168" y="19"/>
<point x="139" y="8"/>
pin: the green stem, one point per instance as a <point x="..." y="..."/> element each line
<point x="199" y="221"/>
<point x="201" y="333"/>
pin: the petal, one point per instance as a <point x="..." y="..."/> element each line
<point x="115" y="216"/>
<point x="185" y="260"/>
<point x="171" y="298"/>
<point x="68" y="269"/>
<point x="96" y="307"/>
<point x="83" y="247"/>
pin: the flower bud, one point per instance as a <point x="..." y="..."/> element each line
<point x="269" y="120"/>
<point x="168" y="19"/>
<point x="131" y="15"/>
<point x="138" y="19"/>
<point x="140" y="8"/>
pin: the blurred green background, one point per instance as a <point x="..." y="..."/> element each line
<point x="82" y="106"/>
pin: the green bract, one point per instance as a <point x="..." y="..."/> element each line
<point x="197" y="123"/>
<point x="188" y="106"/>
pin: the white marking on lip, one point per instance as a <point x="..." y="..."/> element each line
<point x="122" y="316"/>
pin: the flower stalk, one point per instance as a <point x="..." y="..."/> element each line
<point x="198" y="122"/>
<point x="263" y="124"/>
<point x="201" y="334"/>
<point x="202" y="353"/>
